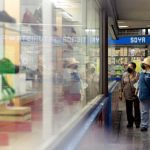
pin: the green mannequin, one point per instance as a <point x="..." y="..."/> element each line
<point x="7" y="67"/>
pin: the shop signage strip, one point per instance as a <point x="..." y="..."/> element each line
<point x="130" y="40"/>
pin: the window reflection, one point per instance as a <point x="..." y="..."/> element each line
<point x="27" y="42"/>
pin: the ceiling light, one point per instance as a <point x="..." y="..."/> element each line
<point x="62" y="4"/>
<point x="87" y="30"/>
<point x="121" y="22"/>
<point x="93" y="30"/>
<point x="90" y="30"/>
<point x="123" y="26"/>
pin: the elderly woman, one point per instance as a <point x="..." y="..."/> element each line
<point x="130" y="77"/>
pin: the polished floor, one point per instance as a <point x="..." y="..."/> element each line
<point x="119" y="138"/>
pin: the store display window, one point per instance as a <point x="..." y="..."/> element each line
<point x="49" y="67"/>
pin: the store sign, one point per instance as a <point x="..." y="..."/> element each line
<point x="130" y="40"/>
<point x="137" y="40"/>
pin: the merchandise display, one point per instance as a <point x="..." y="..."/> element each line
<point x="8" y="93"/>
<point x="15" y="113"/>
<point x="29" y="18"/>
<point x="13" y="83"/>
<point x="25" y="77"/>
<point x="5" y="17"/>
<point x="38" y="14"/>
<point x="119" y="57"/>
<point x="119" y="70"/>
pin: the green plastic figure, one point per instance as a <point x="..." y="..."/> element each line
<point x="7" y="67"/>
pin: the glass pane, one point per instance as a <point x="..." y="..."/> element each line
<point x="49" y="67"/>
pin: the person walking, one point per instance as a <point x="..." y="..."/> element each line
<point x="144" y="93"/>
<point x="129" y="78"/>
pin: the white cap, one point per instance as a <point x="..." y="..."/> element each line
<point x="72" y="61"/>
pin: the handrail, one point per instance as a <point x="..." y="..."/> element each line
<point x="72" y="124"/>
<point x="111" y="86"/>
<point x="76" y="138"/>
<point x="73" y="138"/>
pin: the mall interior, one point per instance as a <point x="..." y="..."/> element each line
<point x="61" y="67"/>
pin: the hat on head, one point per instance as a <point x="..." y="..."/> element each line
<point x="73" y="61"/>
<point x="92" y="66"/>
<point x="146" y="61"/>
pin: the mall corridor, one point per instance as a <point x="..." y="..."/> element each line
<point x="68" y="71"/>
<point x="120" y="137"/>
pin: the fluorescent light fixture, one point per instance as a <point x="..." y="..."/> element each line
<point x="93" y="30"/>
<point x="90" y="30"/>
<point x="123" y="26"/>
<point x="87" y="30"/>
<point x="143" y="31"/>
<point x="121" y="22"/>
<point x="62" y="4"/>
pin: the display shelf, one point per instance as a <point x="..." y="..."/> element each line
<point x="121" y="57"/>
<point x="18" y="112"/>
<point x="27" y="98"/>
<point x="12" y="113"/>
<point x="12" y="110"/>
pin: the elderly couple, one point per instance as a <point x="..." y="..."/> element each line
<point x="129" y="79"/>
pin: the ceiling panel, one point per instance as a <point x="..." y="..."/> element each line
<point x="134" y="13"/>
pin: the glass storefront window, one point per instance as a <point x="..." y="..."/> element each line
<point x="50" y="58"/>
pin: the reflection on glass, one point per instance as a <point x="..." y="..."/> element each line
<point x="27" y="42"/>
